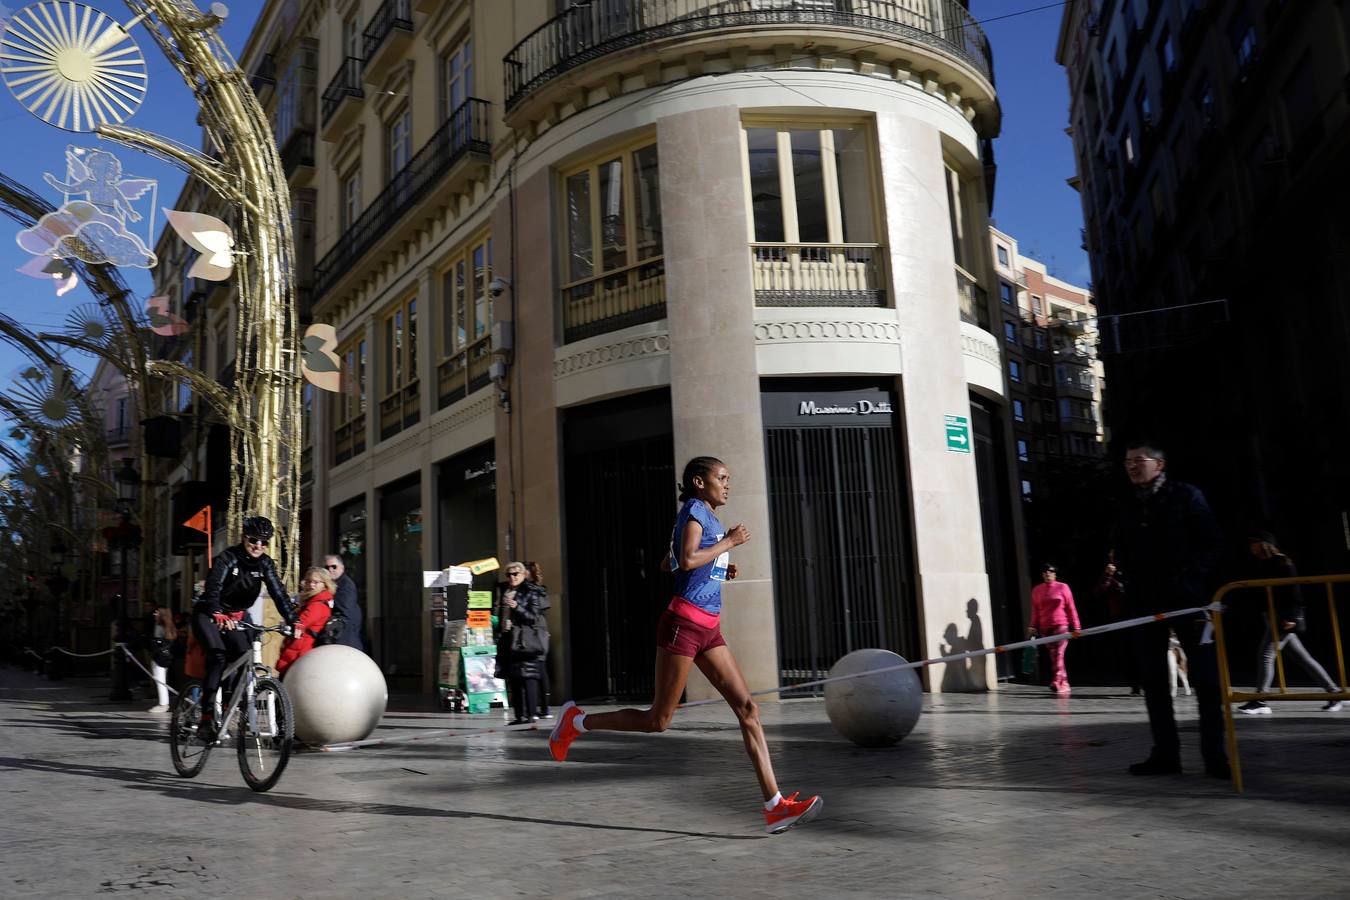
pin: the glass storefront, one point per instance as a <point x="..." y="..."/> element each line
<point x="467" y="499"/>
<point x="399" y="627"/>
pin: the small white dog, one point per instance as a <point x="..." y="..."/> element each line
<point x="1176" y="665"/>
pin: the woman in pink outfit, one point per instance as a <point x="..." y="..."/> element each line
<point x="1053" y="612"/>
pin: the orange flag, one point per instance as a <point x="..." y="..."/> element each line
<point x="201" y="521"/>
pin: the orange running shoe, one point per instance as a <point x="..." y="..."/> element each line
<point x="790" y="811"/>
<point x="564" y="733"/>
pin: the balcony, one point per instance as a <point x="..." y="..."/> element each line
<point x="342" y="98"/>
<point x="589" y="32"/>
<point x="401" y="409"/>
<point x="297" y="157"/>
<point x="818" y="274"/>
<point x="456" y="154"/>
<point x="119" y="436"/>
<point x="463" y="373"/>
<point x="349" y="440"/>
<point x="264" y="78"/>
<point x="974" y="300"/>
<point x="618" y="299"/>
<point x="386" y="39"/>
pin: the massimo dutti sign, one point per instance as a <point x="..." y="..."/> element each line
<point x="857" y="408"/>
<point x="801" y="406"/>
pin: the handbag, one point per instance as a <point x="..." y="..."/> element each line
<point x="529" y="641"/>
<point x="1028" y="660"/>
<point x="162" y="653"/>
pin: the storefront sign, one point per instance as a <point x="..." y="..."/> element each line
<point x="855" y="408"/>
<point x="480" y="618"/>
<point x="487" y="468"/>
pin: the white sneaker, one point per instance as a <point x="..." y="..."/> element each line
<point x="1333" y="706"/>
<point x="1255" y="708"/>
<point x="159" y="707"/>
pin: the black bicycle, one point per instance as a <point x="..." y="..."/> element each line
<point x="259" y="714"/>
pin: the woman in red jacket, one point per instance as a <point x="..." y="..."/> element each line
<point x="316" y="606"/>
<point x="1053" y="612"/>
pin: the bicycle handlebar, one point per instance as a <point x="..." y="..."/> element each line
<point x="283" y="627"/>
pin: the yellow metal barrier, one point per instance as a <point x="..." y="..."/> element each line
<point x="1225" y="683"/>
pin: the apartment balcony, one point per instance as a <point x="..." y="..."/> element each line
<point x="463" y="372"/>
<point x="1079" y="424"/>
<point x="264" y="78"/>
<point x="939" y="35"/>
<point x="119" y="436"/>
<point x="401" y="409"/>
<point x="349" y="440"/>
<point x="297" y="157"/>
<point x="456" y="154"/>
<point x="387" y="39"/>
<point x="618" y="299"/>
<point x="818" y="274"/>
<point x="342" y="98"/>
<point x="974" y="300"/>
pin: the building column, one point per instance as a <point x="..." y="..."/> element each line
<point x="372" y="388"/>
<point x="530" y="514"/>
<point x="715" y="405"/>
<point x="944" y="489"/>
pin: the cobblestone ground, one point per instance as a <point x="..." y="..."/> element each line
<point x="1011" y="794"/>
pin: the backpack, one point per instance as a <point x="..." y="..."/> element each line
<point x="332" y="629"/>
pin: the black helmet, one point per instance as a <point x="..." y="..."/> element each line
<point x="258" y="527"/>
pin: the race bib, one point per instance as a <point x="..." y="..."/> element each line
<point x="719" y="568"/>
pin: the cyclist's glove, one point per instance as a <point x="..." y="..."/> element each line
<point x="220" y="618"/>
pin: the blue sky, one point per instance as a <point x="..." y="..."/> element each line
<point x="1032" y="202"/>
<point x="30" y="147"/>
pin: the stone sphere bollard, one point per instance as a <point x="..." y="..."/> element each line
<point x="338" y="693"/>
<point x="874" y="710"/>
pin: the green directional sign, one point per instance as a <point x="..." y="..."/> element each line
<point x="958" y="434"/>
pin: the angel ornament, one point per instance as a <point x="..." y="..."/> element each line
<point x="97" y="174"/>
<point x="92" y="227"/>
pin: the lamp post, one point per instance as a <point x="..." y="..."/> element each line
<point x="123" y="536"/>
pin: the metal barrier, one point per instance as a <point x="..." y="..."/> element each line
<point x="1225" y="683"/>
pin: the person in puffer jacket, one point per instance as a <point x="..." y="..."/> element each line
<point x="1053" y="612"/>
<point x="316" y="608"/>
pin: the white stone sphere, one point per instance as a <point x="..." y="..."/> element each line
<point x="874" y="710"/>
<point x="338" y="693"/>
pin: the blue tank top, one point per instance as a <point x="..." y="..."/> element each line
<point x="702" y="586"/>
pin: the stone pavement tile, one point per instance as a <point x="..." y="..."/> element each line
<point x="1001" y="794"/>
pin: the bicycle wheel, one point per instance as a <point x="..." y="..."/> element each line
<point x="189" y="754"/>
<point x="265" y="734"/>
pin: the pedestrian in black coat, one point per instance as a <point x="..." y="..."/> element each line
<point x="346" y="604"/>
<point x="523" y="629"/>
<point x="1167" y="543"/>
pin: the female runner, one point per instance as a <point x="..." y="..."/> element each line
<point x="688" y="634"/>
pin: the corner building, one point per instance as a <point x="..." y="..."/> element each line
<point x="569" y="247"/>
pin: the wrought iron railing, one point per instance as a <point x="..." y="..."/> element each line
<point x="615" y="300"/>
<point x="463" y="372"/>
<point x="392" y="14"/>
<point x="349" y="439"/>
<point x="464" y="132"/>
<point x="818" y="274"/>
<point x="588" y="31"/>
<point x="974" y="300"/>
<point x="346" y="83"/>
<point x="401" y="409"/>
<point x="119" y="434"/>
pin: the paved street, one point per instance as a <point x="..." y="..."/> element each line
<point x="1013" y="794"/>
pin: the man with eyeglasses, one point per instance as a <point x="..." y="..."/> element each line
<point x="237" y="576"/>
<point x="1166" y="543"/>
<point x="345" y="602"/>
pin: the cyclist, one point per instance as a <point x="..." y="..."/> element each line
<point x="237" y="576"/>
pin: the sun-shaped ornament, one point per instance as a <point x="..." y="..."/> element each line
<point x="48" y="397"/>
<point x="87" y="322"/>
<point x="72" y="66"/>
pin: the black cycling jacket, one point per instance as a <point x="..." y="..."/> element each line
<point x="235" y="580"/>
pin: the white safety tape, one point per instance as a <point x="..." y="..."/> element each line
<point x="956" y="657"/>
<point x="83" y="655"/>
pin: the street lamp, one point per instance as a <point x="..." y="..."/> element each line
<point x="123" y="536"/>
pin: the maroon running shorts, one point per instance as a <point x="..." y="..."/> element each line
<point x="676" y="634"/>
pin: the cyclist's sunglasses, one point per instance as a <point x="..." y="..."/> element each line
<point x="255" y="541"/>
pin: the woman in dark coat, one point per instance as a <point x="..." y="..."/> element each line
<point x="524" y="630"/>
